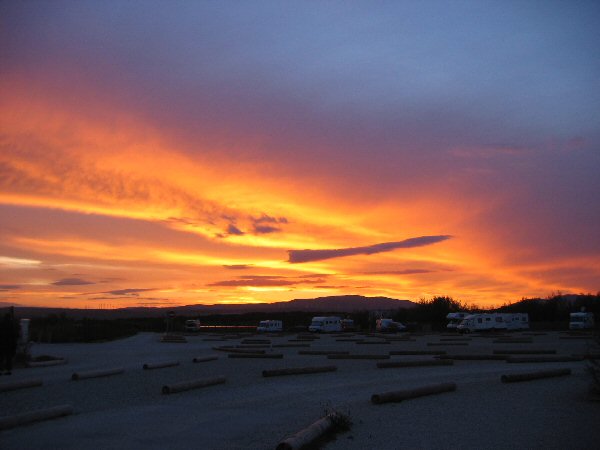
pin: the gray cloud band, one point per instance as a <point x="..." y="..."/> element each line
<point x="300" y="256"/>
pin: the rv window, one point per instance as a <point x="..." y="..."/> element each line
<point x="479" y="320"/>
<point x="487" y="319"/>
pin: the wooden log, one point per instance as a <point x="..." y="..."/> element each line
<point x="291" y="345"/>
<point x="474" y="357"/>
<point x="457" y="339"/>
<point x="160" y="365"/>
<point x="201" y="359"/>
<point x="256" y="355"/>
<point x="322" y="352"/>
<point x="21" y="384"/>
<point x="239" y="350"/>
<point x="35" y="416"/>
<point x="309" y="434"/>
<point x="418" y="352"/>
<point x="192" y="384"/>
<point x="50" y="362"/>
<point x="358" y="356"/>
<point x="297" y="371"/>
<point x="372" y="342"/>
<point x="253" y="346"/>
<point x="434" y="344"/>
<point x="527" y="376"/>
<point x="427" y="362"/>
<point x="513" y="341"/>
<point x="524" y="352"/>
<point x="543" y="359"/>
<point x="97" y="373"/>
<point x="256" y="341"/>
<point x="398" y="396"/>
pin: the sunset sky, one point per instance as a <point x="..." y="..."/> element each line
<point x="159" y="153"/>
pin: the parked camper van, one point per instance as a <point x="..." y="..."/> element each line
<point x="388" y="325"/>
<point x="325" y="324"/>
<point x="581" y="321"/>
<point x="266" y="326"/>
<point x="517" y="321"/>
<point x="493" y="321"/>
<point x="192" y="325"/>
<point x="454" y="319"/>
<point x="348" y="325"/>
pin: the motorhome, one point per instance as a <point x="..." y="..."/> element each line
<point x="517" y="321"/>
<point x="494" y="321"/>
<point x="348" y="325"/>
<point x="192" y="325"/>
<point x="454" y="319"/>
<point x="581" y="321"/>
<point x="327" y="324"/>
<point x="388" y="325"/>
<point x="266" y="326"/>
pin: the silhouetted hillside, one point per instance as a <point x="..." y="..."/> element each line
<point x="333" y="304"/>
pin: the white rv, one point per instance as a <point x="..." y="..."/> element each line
<point x="325" y="324"/>
<point x="266" y="326"/>
<point x="388" y="325"/>
<point x="454" y="319"/>
<point x="581" y="321"/>
<point x="493" y="321"/>
<point x="192" y="325"/>
<point x="517" y="321"/>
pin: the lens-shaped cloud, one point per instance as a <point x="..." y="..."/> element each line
<point x="301" y="256"/>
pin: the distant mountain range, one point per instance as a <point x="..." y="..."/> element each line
<point x="332" y="304"/>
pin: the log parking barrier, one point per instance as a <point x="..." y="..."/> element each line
<point x="21" y="384"/>
<point x="192" y="384"/>
<point x="426" y="362"/>
<point x="97" y="373"/>
<point x="173" y="338"/>
<point x="350" y="340"/>
<point x="524" y="352"/>
<point x="201" y="359"/>
<point x="576" y="337"/>
<point x="513" y="341"/>
<point x="474" y="357"/>
<point x="252" y="346"/>
<point x="239" y="350"/>
<point x="543" y="359"/>
<point x="444" y="344"/>
<point x="54" y="412"/>
<point x="372" y="342"/>
<point x="297" y="371"/>
<point x="311" y="433"/>
<point x="290" y="345"/>
<point x="323" y="352"/>
<point x="527" y="376"/>
<point x="457" y="339"/>
<point x="256" y="341"/>
<point x="330" y="356"/>
<point x="417" y="352"/>
<point x="256" y="355"/>
<point x="48" y="363"/>
<point x="398" y="396"/>
<point x="160" y="365"/>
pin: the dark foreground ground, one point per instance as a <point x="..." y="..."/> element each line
<point x="249" y="411"/>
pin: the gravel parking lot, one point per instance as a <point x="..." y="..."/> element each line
<point x="128" y="410"/>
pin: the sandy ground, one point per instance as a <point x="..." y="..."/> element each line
<point x="128" y="411"/>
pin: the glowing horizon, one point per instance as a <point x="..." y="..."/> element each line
<point x="137" y="170"/>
